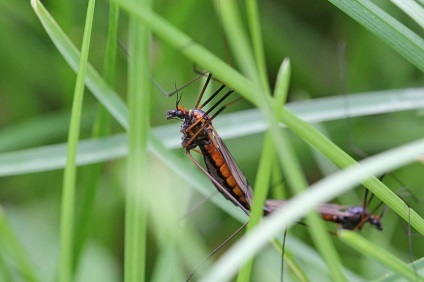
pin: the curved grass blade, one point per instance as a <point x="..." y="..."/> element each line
<point x="388" y="29"/>
<point x="230" y="125"/>
<point x="11" y="242"/>
<point x="412" y="9"/>
<point x="394" y="276"/>
<point x="379" y="254"/>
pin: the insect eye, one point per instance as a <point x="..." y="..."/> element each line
<point x="178" y="113"/>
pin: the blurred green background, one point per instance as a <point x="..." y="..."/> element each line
<point x="36" y="87"/>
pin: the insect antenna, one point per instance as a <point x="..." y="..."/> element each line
<point x="169" y="94"/>
<point x="178" y="100"/>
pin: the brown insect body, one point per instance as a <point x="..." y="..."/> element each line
<point x="348" y="217"/>
<point x="198" y="131"/>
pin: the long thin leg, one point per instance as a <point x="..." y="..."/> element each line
<point x="283" y="248"/>
<point x="207" y="122"/>
<point x="364" y="204"/>
<point x="411" y="256"/>
<point x="213" y="96"/>
<point x="198" y="204"/>
<point x="189" y="276"/>
<point x="220" y="100"/>
<point x="203" y="73"/>
<point x="218" y="185"/>
<point x="203" y="91"/>
<point x="213" y="107"/>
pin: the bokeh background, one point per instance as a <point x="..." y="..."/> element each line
<point x="36" y="87"/>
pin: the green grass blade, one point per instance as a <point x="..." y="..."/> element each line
<point x="89" y="152"/>
<point x="379" y="254"/>
<point x="300" y="205"/>
<point x="281" y="88"/>
<point x="238" y="40"/>
<point x="318" y="232"/>
<point x="11" y="242"/>
<point x="388" y="29"/>
<point x="298" y="182"/>
<point x="263" y="176"/>
<point x="412" y="9"/>
<point x="101" y="128"/>
<point x="138" y="178"/>
<point x="257" y="42"/>
<point x="262" y="184"/>
<point x="247" y="122"/>
<point x="5" y="275"/>
<point x="394" y="276"/>
<point x="68" y="196"/>
<point x="48" y="127"/>
<point x="111" y="45"/>
<point x="236" y="35"/>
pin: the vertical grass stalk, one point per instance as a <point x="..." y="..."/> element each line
<point x="139" y="122"/>
<point x="92" y="174"/>
<point x="256" y="38"/>
<point x="264" y="170"/>
<point x="69" y="180"/>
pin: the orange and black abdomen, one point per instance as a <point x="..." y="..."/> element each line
<point x="330" y="217"/>
<point x="220" y="171"/>
<point x="353" y="218"/>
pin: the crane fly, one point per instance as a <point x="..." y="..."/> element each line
<point x="223" y="171"/>
<point x="198" y="131"/>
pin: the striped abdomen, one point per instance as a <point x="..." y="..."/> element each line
<point x="220" y="171"/>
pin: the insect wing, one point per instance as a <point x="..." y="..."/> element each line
<point x="324" y="209"/>
<point x="233" y="167"/>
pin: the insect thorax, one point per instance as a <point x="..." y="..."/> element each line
<point x="196" y="123"/>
